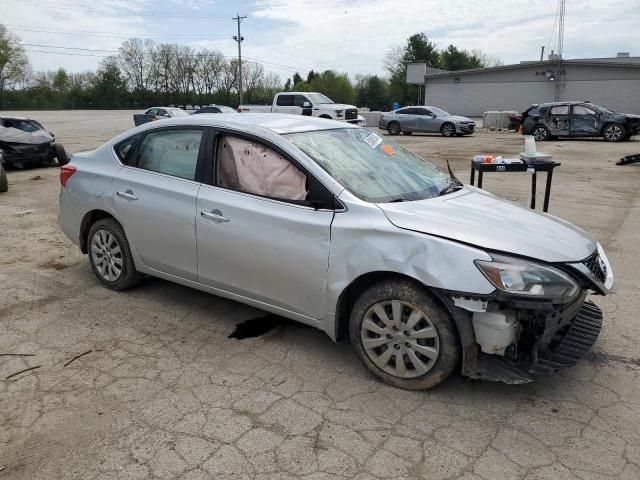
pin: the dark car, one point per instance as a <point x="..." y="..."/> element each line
<point x="578" y="119"/>
<point x="25" y="143"/>
<point x="215" y="109"/>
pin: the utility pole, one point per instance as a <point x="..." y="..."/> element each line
<point x="542" y="53"/>
<point x="239" y="39"/>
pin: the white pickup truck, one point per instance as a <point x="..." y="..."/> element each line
<point x="312" y="104"/>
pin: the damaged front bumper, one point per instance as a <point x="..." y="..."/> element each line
<point x="512" y="339"/>
<point x="23" y="155"/>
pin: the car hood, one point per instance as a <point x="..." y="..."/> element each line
<point x="478" y="218"/>
<point x="457" y="118"/>
<point x="336" y="106"/>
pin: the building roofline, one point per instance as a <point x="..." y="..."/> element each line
<point x="515" y="66"/>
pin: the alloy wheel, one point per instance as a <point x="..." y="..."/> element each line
<point x="448" y="130"/>
<point x="400" y="339"/>
<point x="540" y="133"/>
<point x="107" y="255"/>
<point x="613" y="133"/>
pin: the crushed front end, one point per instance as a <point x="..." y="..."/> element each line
<point x="516" y="335"/>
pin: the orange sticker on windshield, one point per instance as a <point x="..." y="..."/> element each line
<point x="387" y="149"/>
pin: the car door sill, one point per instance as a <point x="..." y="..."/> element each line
<point x="234" y="296"/>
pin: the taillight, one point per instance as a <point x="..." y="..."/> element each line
<point x="65" y="173"/>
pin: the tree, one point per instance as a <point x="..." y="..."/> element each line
<point x="109" y="85"/>
<point x="311" y="75"/>
<point x="453" y="59"/>
<point x="297" y="79"/>
<point x="14" y="65"/>
<point x="336" y="86"/>
<point x="372" y="92"/>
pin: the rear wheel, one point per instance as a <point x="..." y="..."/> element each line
<point x="4" y="183"/>
<point x="393" y="128"/>
<point x="614" y="132"/>
<point x="448" y="129"/>
<point x="110" y="256"/>
<point x="403" y="336"/>
<point x="540" y="133"/>
<point x="61" y="154"/>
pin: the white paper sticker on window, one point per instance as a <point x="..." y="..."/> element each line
<point x="373" y="140"/>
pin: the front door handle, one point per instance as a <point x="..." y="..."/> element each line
<point x="215" y="215"/>
<point x="129" y="195"/>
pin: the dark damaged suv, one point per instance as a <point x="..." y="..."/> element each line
<point x="578" y="119"/>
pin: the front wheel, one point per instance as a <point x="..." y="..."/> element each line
<point x="393" y="128"/>
<point x="448" y="129"/>
<point x="61" y="154"/>
<point x="4" y="183"/>
<point x="110" y="256"/>
<point x="540" y="133"/>
<point x="614" y="132"/>
<point x="403" y="336"/>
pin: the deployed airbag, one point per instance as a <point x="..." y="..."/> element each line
<point x="253" y="168"/>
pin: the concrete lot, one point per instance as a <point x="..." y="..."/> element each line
<point x="164" y="393"/>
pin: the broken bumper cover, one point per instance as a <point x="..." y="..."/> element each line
<point x="26" y="154"/>
<point x="558" y="348"/>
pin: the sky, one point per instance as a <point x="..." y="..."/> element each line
<point x="349" y="36"/>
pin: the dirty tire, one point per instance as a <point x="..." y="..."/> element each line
<point x="541" y="133"/>
<point x="393" y="128"/>
<point x="4" y="183"/>
<point x="614" y="132"/>
<point x="128" y="276"/>
<point x="448" y="129"/>
<point x="412" y="298"/>
<point x="61" y="154"/>
<point x="407" y="133"/>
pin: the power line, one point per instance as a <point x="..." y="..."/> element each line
<point x="68" y="48"/>
<point x="113" y="35"/>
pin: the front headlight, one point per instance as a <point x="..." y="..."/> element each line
<point x="522" y="277"/>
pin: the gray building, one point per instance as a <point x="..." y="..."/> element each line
<point x="611" y="82"/>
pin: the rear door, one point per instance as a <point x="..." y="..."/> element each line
<point x="408" y="119"/>
<point x="584" y="121"/>
<point x="155" y="198"/>
<point x="255" y="236"/>
<point x="285" y="103"/>
<point x="557" y="120"/>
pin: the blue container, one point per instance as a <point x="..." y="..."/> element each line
<point x="395" y="105"/>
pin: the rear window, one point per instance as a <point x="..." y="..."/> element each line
<point x="560" y="110"/>
<point x="125" y="148"/>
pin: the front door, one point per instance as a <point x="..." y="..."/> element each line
<point x="155" y="199"/>
<point x="427" y="121"/>
<point x="255" y="237"/>
<point x="584" y="121"/>
<point x="558" y="120"/>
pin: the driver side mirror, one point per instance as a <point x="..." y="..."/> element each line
<point x="306" y="105"/>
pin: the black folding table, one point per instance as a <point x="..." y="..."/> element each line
<point x="532" y="166"/>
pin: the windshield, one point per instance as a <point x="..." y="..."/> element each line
<point x="438" y="112"/>
<point x="374" y="169"/>
<point x="319" y="98"/>
<point x="28" y="126"/>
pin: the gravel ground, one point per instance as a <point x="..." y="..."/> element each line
<point x="163" y="392"/>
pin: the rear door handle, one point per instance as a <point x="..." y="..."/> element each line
<point x="129" y="195"/>
<point x="215" y="215"/>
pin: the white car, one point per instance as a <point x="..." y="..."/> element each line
<point x="311" y="104"/>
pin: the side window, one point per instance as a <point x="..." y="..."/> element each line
<point x="560" y="110"/>
<point x="424" y="111"/>
<point x="152" y="111"/>
<point x="162" y="112"/>
<point x="285" y="100"/>
<point x="248" y="166"/>
<point x="124" y="149"/>
<point x="172" y="152"/>
<point x="299" y="100"/>
<point x="582" y="110"/>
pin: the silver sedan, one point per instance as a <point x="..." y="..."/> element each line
<point x="425" y="119"/>
<point x="331" y="225"/>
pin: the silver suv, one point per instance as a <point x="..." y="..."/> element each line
<point x="331" y="225"/>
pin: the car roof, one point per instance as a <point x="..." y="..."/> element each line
<point x="16" y="118"/>
<point x="279" y="123"/>
<point x="568" y="102"/>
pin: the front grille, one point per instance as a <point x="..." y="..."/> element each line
<point x="351" y="114"/>
<point x="596" y="266"/>
<point x="571" y="343"/>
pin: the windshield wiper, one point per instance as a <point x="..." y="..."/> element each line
<point x="452" y="186"/>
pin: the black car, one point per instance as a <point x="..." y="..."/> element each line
<point x="578" y="119"/>
<point x="26" y="143"/>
